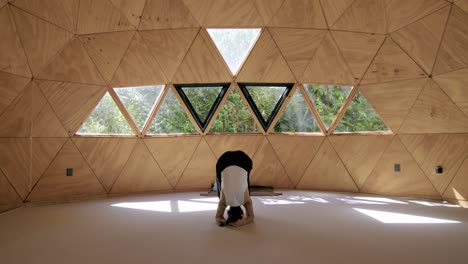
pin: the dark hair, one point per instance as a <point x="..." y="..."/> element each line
<point x="234" y="213"/>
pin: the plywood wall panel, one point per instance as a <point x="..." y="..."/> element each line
<point x="299" y="14"/>
<point x="98" y="16"/>
<point x="233" y="13"/>
<point x="222" y="143"/>
<point x="131" y="9"/>
<point x="16" y="119"/>
<point x="106" y="156"/>
<point x="458" y="188"/>
<point x="455" y="85"/>
<point x="164" y="14"/>
<point x="363" y="16"/>
<point x="334" y="9"/>
<point x="9" y="199"/>
<point x="463" y="4"/>
<point x="199" y="9"/>
<point x="267" y="8"/>
<point x="10" y="87"/>
<point x="44" y="151"/>
<point x="15" y="160"/>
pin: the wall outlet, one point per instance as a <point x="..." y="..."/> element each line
<point x="69" y="171"/>
<point x="397" y="168"/>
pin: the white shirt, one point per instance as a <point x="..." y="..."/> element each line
<point x="234" y="184"/>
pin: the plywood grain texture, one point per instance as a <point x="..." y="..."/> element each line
<point x="44" y="151"/>
<point x="299" y="14"/>
<point x="15" y="160"/>
<point x="363" y="16"/>
<point x="233" y="13"/>
<point x="267" y="8"/>
<point x="455" y="85"/>
<point x="10" y="87"/>
<point x="16" y="119"/>
<point x="458" y="188"/>
<point x="98" y="16"/>
<point x="334" y="9"/>
<point x="222" y="143"/>
<point x="9" y="199"/>
<point x="132" y="10"/>
<point x="199" y="9"/>
<point x="164" y="14"/>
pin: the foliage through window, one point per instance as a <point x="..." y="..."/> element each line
<point x="234" y="44"/>
<point x="106" y="119"/>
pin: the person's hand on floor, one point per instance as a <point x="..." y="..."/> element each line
<point x="220" y="221"/>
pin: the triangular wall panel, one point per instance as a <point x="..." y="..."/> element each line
<point x="165" y="14"/>
<point x="421" y="39"/>
<point x="44" y="151"/>
<point x="15" y="160"/>
<point x="41" y="40"/>
<point x="9" y="199"/>
<point x="295" y="152"/>
<point x="265" y="63"/>
<point x="360" y="153"/>
<point x="328" y="65"/>
<point x="169" y="46"/>
<point x="199" y="9"/>
<point x="434" y="112"/>
<point x="430" y="151"/>
<point x="172" y="165"/>
<point x="233" y="13"/>
<point x="247" y="143"/>
<point x="334" y="9"/>
<point x="10" y="87"/>
<point x="458" y="188"/>
<point x="409" y="181"/>
<point x="72" y="65"/>
<point x="107" y="50"/>
<point x="267" y="169"/>
<point x="463" y="4"/>
<point x="393" y="100"/>
<point x="106" y="156"/>
<point x="63" y="13"/>
<point x="131" y="9"/>
<point x="391" y="64"/>
<point x="12" y="56"/>
<point x="98" y="16"/>
<point x="455" y="86"/>
<point x="363" y="16"/>
<point x="267" y="8"/>
<point x="298" y="46"/>
<point x="327" y="172"/>
<point x="299" y="14"/>
<point x="16" y="119"/>
<point x="55" y="186"/>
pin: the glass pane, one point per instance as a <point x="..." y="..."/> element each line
<point x="139" y="101"/>
<point x="171" y="118"/>
<point x="234" y="117"/>
<point x="266" y="98"/>
<point x="106" y="119"/>
<point x="202" y="99"/>
<point x="327" y="99"/>
<point x="360" y="116"/>
<point x="297" y="117"/>
<point x="234" y="44"/>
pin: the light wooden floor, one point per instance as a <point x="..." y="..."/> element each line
<point x="297" y="227"/>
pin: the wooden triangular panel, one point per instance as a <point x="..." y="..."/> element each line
<point x="169" y="47"/>
<point x="72" y="65"/>
<point x="265" y="63"/>
<point x="430" y="151"/>
<point x="55" y="186"/>
<point x="401" y="12"/>
<point x="463" y="4"/>
<point x="222" y="143"/>
<point x="233" y="13"/>
<point x="15" y="160"/>
<point x="10" y="87"/>
<point x="421" y="39"/>
<point x="3" y="3"/>
<point x="199" y="9"/>
<point x="71" y="102"/>
<point x="363" y="16"/>
<point x="107" y="50"/>
<point x="360" y="154"/>
<point x="409" y="181"/>
<point x="200" y="172"/>
<point x="41" y="40"/>
<point x="38" y="100"/>
<point x="9" y="199"/>
<point x="63" y="13"/>
<point x="202" y="63"/>
<point x="434" y="112"/>
<point x="358" y="49"/>
<point x="164" y="14"/>
<point x="267" y="8"/>
<point x="12" y="56"/>
<point x="267" y="169"/>
<point x="393" y="100"/>
<point x="172" y="162"/>
<point x="44" y="120"/>
<point x="106" y="156"/>
<point x="458" y="188"/>
<point x="453" y="54"/>
<point x="131" y="9"/>
<point x="101" y="16"/>
<point x="295" y="153"/>
<point x="44" y="151"/>
<point x="16" y="119"/>
<point x="298" y="46"/>
<point x="328" y="66"/>
<point x="299" y="14"/>
<point x="391" y="64"/>
<point x="327" y="172"/>
<point x="455" y="86"/>
<point x="334" y="9"/>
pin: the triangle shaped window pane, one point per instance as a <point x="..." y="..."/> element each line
<point x="234" y="44"/>
<point x="106" y="119"/>
<point x="139" y="101"/>
<point x="297" y="117"/>
<point x="360" y="116"/>
<point x="265" y="100"/>
<point x="327" y="99"/>
<point x="234" y="117"/>
<point x="202" y="100"/>
<point x="171" y="118"/>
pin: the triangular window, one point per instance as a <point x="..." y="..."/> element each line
<point x="202" y="100"/>
<point x="106" y="119"/>
<point x="360" y="116"/>
<point x="265" y="100"/>
<point x="234" y="44"/>
<point x="139" y="101"/>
